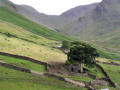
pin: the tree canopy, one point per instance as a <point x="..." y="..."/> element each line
<point x="66" y="44"/>
<point x="81" y="53"/>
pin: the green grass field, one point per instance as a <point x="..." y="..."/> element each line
<point x="14" y="18"/>
<point x="23" y="63"/>
<point x="14" y="31"/>
<point x="21" y="36"/>
<point x="80" y="78"/>
<point x="20" y="30"/>
<point x="95" y="71"/>
<point x="15" y="80"/>
<point x="113" y="72"/>
<point x="31" y="45"/>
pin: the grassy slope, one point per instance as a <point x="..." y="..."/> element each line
<point x="42" y="48"/>
<point x="78" y="78"/>
<point x="23" y="42"/>
<point x="105" y="38"/>
<point x="114" y="72"/>
<point x="12" y="17"/>
<point x="109" y="42"/>
<point x="41" y="69"/>
<point x="95" y="71"/>
<point x="23" y="63"/>
<point x="21" y="33"/>
<point x="24" y="81"/>
<point x="108" y="55"/>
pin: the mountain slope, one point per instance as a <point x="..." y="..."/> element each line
<point x="78" y="11"/>
<point x="101" y="26"/>
<point x="21" y="36"/>
<point x="10" y="15"/>
<point x="17" y="19"/>
<point x="7" y="4"/>
<point x="53" y="21"/>
<point x="16" y="40"/>
<point x="40" y="18"/>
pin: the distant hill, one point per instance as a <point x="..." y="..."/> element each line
<point x="9" y="13"/>
<point x="54" y="21"/>
<point x="78" y="11"/>
<point x="40" y="18"/>
<point x="21" y="36"/>
<point x="100" y="26"/>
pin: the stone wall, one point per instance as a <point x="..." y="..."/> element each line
<point x="110" y="63"/>
<point x="15" y="67"/>
<point x="25" y="58"/>
<point x="107" y="76"/>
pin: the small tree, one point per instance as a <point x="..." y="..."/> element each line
<point x="66" y="44"/>
<point x="82" y="54"/>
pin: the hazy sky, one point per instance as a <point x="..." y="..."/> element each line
<point x="54" y="7"/>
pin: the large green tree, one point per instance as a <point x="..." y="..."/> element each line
<point x="81" y="53"/>
<point x="66" y="44"/>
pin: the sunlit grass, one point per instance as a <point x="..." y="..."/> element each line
<point x="17" y="19"/>
<point x="42" y="49"/>
<point x="113" y="72"/>
<point x="21" y="47"/>
<point x="23" y="63"/>
<point x="15" y="80"/>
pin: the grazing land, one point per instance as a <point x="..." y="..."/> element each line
<point x="20" y="36"/>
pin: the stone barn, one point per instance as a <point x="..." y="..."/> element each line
<point x="73" y="68"/>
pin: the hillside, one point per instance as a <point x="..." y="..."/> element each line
<point x="17" y="19"/>
<point x="13" y="79"/>
<point x="96" y="31"/>
<point x="78" y="11"/>
<point x="21" y="36"/>
<point x="53" y="21"/>
<point x="40" y="77"/>
<point x="74" y="22"/>
<point x="7" y="4"/>
<point x="31" y="60"/>
<point x="40" y="18"/>
<point x="16" y="40"/>
<point x="12" y="17"/>
<point x="101" y="26"/>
